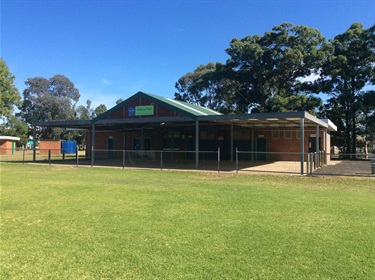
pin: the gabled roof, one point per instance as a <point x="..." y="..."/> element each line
<point x="185" y="109"/>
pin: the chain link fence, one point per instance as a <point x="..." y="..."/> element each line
<point x="243" y="161"/>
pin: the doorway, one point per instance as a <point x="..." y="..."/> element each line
<point x="110" y="145"/>
<point x="261" y="148"/>
<point x="312" y="145"/>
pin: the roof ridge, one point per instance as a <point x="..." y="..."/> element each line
<point x="190" y="105"/>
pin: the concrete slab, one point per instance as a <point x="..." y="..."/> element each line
<point x="346" y="168"/>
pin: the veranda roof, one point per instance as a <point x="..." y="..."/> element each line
<point x="192" y="113"/>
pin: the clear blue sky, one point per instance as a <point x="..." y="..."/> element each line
<point x="113" y="49"/>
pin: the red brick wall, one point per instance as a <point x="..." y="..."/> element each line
<point x="53" y="145"/>
<point x="241" y="135"/>
<point x="292" y="145"/>
<point x="5" y="147"/>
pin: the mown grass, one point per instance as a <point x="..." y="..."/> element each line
<point x="60" y="222"/>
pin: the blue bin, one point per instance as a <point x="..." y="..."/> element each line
<point x="68" y="147"/>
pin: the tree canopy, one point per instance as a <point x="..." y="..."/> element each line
<point x="9" y="100"/>
<point x="100" y="109"/>
<point x="263" y="74"/>
<point x="270" y="69"/>
<point x="207" y="86"/>
<point x="348" y="70"/>
<point x="87" y="113"/>
<point x="287" y="69"/>
<point x="49" y="100"/>
<point x="9" y="95"/>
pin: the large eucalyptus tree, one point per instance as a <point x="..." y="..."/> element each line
<point x="348" y="79"/>
<point x="263" y="74"/>
<point x="49" y="100"/>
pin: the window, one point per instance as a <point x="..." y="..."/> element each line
<point x="275" y="134"/>
<point x="172" y="140"/>
<point x="287" y="134"/>
<point x="136" y="144"/>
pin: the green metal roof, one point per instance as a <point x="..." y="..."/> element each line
<point x="185" y="107"/>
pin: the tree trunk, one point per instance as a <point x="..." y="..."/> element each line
<point x="347" y="138"/>
<point x="354" y="136"/>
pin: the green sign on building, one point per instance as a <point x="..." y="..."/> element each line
<point x="144" y="110"/>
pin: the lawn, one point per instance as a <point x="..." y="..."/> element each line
<point x="63" y="222"/>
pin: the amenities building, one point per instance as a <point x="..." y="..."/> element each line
<point x="149" y="123"/>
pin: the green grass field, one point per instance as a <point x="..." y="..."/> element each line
<point x="62" y="222"/>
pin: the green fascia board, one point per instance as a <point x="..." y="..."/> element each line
<point x="185" y="109"/>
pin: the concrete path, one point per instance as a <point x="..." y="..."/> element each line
<point x="346" y="168"/>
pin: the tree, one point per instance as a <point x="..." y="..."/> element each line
<point x="271" y="70"/>
<point x="85" y="112"/>
<point x="49" y="100"/>
<point x="100" y="109"/>
<point x="206" y="86"/>
<point x="367" y="121"/>
<point x="15" y="127"/>
<point x="347" y="72"/>
<point x="9" y="95"/>
<point x="264" y="74"/>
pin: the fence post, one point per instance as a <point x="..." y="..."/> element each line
<point x="92" y="156"/>
<point x="320" y="159"/>
<point x="325" y="157"/>
<point x="236" y="160"/>
<point x="311" y="162"/>
<point x="308" y="162"/>
<point x="314" y="160"/>
<point x="123" y="158"/>
<point x="77" y="157"/>
<point x="23" y="155"/>
<point x="63" y="150"/>
<point x="161" y="160"/>
<point x="218" y="159"/>
<point x="49" y="156"/>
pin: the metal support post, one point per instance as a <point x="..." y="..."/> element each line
<point x="218" y="159"/>
<point x="317" y="149"/>
<point x="161" y="160"/>
<point x="302" y="144"/>
<point x="92" y="145"/>
<point x="236" y="160"/>
<point x="77" y="156"/>
<point x="325" y="146"/>
<point x="252" y="144"/>
<point x="231" y="143"/>
<point x="34" y="143"/>
<point x="196" y="144"/>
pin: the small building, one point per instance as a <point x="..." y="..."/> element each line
<point x="147" y="122"/>
<point x="49" y="146"/>
<point x="8" y="145"/>
<point x="56" y="147"/>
